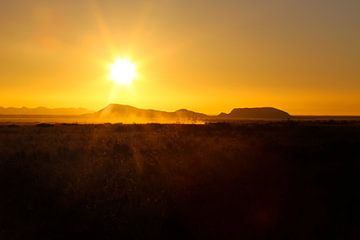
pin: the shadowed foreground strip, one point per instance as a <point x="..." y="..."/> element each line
<point x="218" y="181"/>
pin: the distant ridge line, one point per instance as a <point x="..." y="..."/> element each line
<point x="42" y="111"/>
<point x="127" y="113"/>
<point x="122" y="112"/>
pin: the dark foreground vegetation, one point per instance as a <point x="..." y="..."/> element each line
<point x="287" y="180"/>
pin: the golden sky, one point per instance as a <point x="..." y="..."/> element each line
<point x="204" y="55"/>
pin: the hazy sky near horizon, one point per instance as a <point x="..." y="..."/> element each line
<point x="205" y="55"/>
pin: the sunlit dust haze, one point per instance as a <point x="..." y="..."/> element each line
<point x="205" y="55"/>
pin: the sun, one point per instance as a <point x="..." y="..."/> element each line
<point x="123" y="71"/>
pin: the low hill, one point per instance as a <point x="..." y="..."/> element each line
<point x="125" y="113"/>
<point x="42" y="111"/>
<point x="254" y="113"/>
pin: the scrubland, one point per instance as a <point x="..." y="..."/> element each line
<point x="269" y="180"/>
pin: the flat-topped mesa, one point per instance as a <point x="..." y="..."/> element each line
<point x="256" y="113"/>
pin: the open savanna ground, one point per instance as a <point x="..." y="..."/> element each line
<point x="266" y="180"/>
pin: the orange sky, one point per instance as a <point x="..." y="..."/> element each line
<point x="205" y="55"/>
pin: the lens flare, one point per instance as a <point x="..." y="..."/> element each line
<point x="123" y="71"/>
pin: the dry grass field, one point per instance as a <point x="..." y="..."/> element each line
<point x="286" y="180"/>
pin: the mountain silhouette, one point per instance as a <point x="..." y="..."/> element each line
<point x="126" y="113"/>
<point x="42" y="111"/>
<point x="255" y="113"/>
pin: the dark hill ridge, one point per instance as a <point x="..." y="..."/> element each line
<point x="129" y="114"/>
<point x="126" y="113"/>
<point x="42" y="111"/>
<point x="255" y="113"/>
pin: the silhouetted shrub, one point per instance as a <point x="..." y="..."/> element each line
<point x="44" y="125"/>
<point x="12" y="126"/>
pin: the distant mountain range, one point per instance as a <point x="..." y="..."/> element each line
<point x="125" y="113"/>
<point x="130" y="114"/>
<point x="42" y="111"/>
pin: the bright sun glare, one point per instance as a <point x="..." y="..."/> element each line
<point x="123" y="72"/>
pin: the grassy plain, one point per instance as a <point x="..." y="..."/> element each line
<point x="267" y="180"/>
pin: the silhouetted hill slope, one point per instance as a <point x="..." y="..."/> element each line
<point x="255" y="113"/>
<point x="42" y="111"/>
<point x="125" y="113"/>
